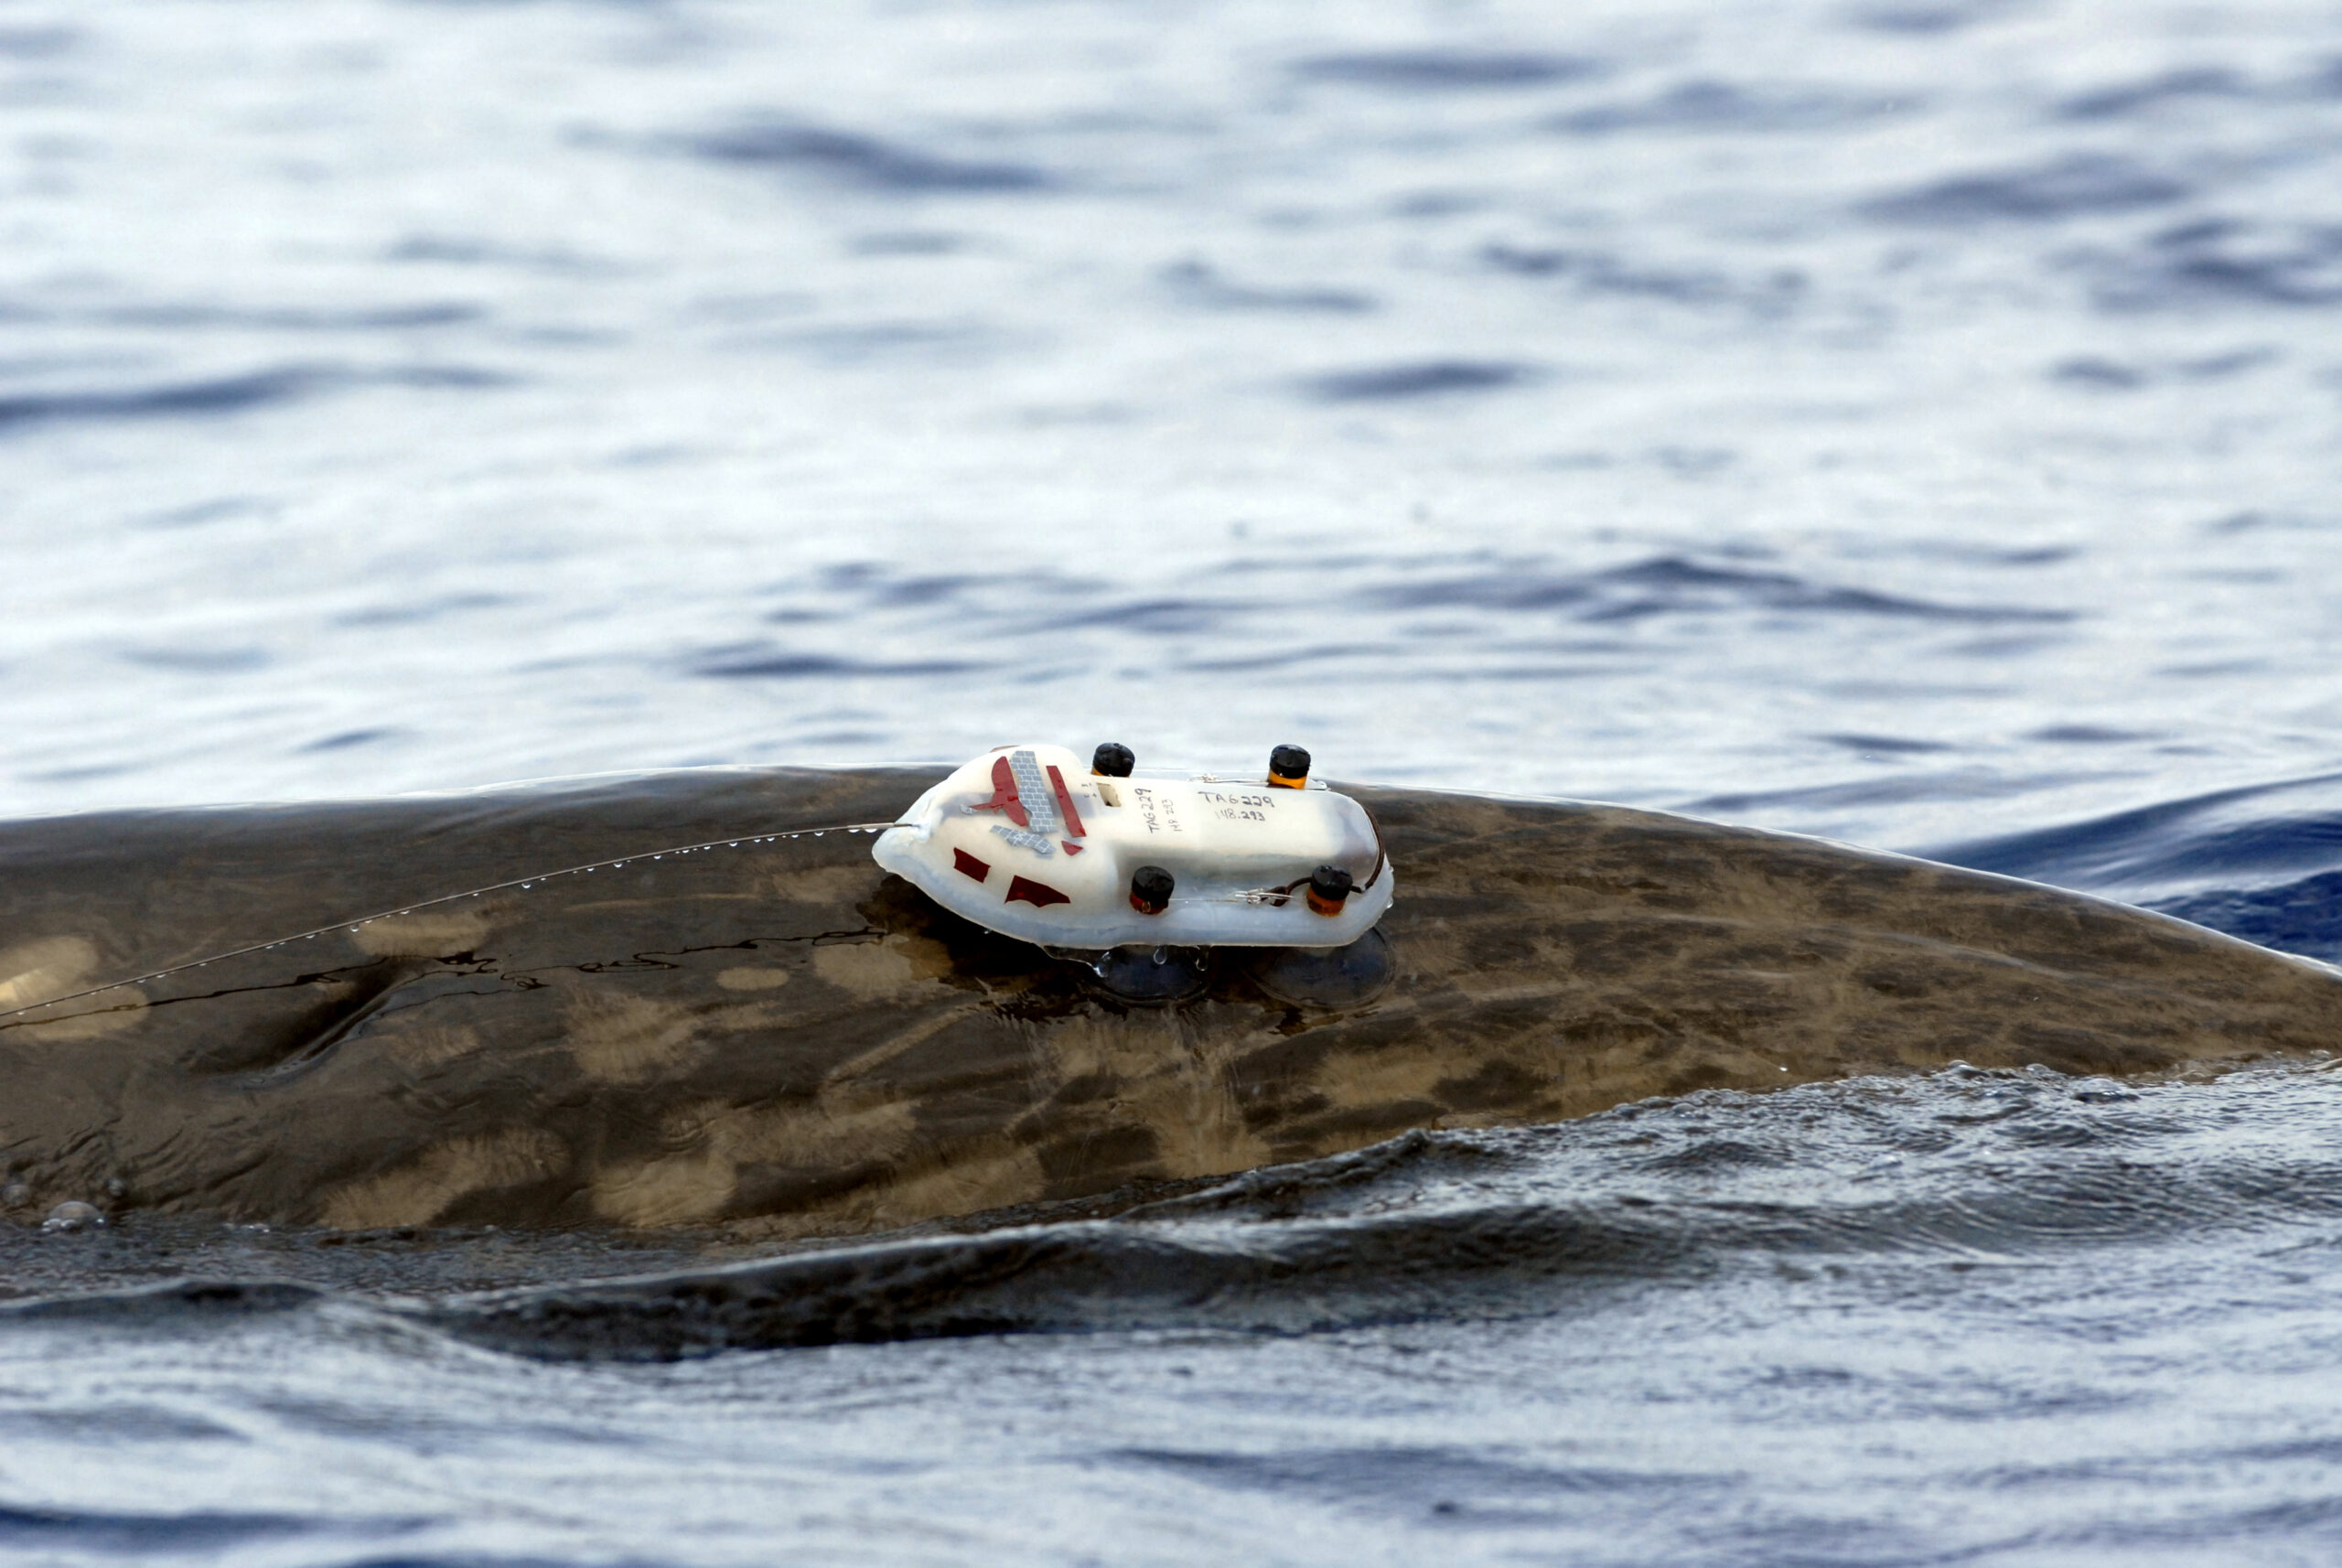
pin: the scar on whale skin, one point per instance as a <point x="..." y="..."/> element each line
<point x="425" y="1187"/>
<point x="711" y="1144"/>
<point x="747" y="979"/>
<point x="35" y="972"/>
<point x="434" y="934"/>
<point x="890" y="967"/>
<point x="1153" y="1069"/>
<point x="630" y="1040"/>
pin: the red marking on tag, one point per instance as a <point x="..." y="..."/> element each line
<point x="967" y="864"/>
<point x="1070" y="847"/>
<point x="1004" y="793"/>
<point x="1040" y="895"/>
<point x="1065" y="801"/>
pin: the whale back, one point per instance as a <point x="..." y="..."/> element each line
<point x="771" y="1034"/>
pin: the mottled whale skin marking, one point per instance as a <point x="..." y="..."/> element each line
<point x="778" y="1039"/>
<point x="48" y="967"/>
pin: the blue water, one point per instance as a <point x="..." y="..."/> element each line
<point x="1915" y="422"/>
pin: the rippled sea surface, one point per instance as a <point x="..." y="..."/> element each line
<point x="1910" y="420"/>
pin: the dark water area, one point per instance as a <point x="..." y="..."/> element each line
<point x="2264" y="863"/>
<point x="1911" y="422"/>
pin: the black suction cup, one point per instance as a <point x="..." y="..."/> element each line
<point x="1145" y="974"/>
<point x="1150" y="889"/>
<point x="1327" y="977"/>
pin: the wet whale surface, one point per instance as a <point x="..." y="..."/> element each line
<point x="765" y="1037"/>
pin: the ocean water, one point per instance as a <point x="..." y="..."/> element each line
<point x="1915" y="422"/>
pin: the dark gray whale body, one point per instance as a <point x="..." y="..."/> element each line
<point x="775" y="1036"/>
